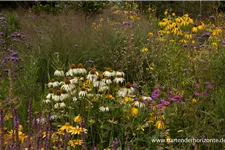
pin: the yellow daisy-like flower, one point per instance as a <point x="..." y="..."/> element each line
<point x="134" y="111"/>
<point x="194" y="100"/>
<point x="75" y="130"/>
<point x="66" y="127"/>
<point x="150" y="34"/>
<point x="77" y="119"/>
<point x="74" y="143"/>
<point x="160" y="125"/>
<point x="173" y="14"/>
<point x="145" y="49"/>
<point x="8" y="117"/>
<point x="166" y="12"/>
<point x="214" y="44"/>
<point x="127" y="99"/>
<point x="194" y="29"/>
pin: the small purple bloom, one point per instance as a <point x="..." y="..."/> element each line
<point x="164" y="102"/>
<point x="89" y="61"/>
<point x="160" y="106"/>
<point x="197" y="94"/>
<point x="212" y="17"/>
<point x="134" y="85"/>
<point x="185" y="45"/>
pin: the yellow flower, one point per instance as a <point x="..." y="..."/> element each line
<point x="194" y="100"/>
<point x="109" y="96"/>
<point x="141" y="128"/>
<point x="194" y="29"/>
<point x="134" y="111"/>
<point x="168" y="139"/>
<point x="145" y="49"/>
<point x="150" y="34"/>
<point x="160" y="125"/>
<point x="193" y="41"/>
<point x="200" y="27"/>
<point x="75" y="130"/>
<point x="165" y="12"/>
<point x="74" y="143"/>
<point x="66" y="127"/>
<point x="127" y="99"/>
<point x="8" y="116"/>
<point x="173" y="14"/>
<point x="172" y="41"/>
<point x="188" y="36"/>
<point x="77" y="119"/>
<point x="214" y="44"/>
<point x="180" y="131"/>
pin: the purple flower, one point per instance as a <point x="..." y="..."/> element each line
<point x="134" y="85"/>
<point x="115" y="143"/>
<point x="199" y="15"/>
<point x="206" y="94"/>
<point x="173" y="79"/>
<point x="185" y="45"/>
<point x="164" y="102"/>
<point x="212" y="17"/>
<point x="197" y="85"/>
<point x="94" y="147"/>
<point x="197" y="94"/>
<point x="207" y="34"/>
<point x="89" y="61"/>
<point x="223" y="42"/>
<point x="182" y="103"/>
<point x="160" y="106"/>
<point x="207" y="83"/>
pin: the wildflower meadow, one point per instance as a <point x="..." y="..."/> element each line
<point x="115" y="75"/>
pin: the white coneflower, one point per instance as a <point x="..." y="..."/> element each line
<point x="46" y="101"/>
<point x="75" y="99"/>
<point x="104" y="109"/>
<point x="107" y="81"/>
<point x="57" y="97"/>
<point x="98" y="82"/>
<point x="92" y="75"/>
<point x="126" y="91"/>
<point x="50" y="94"/>
<point x="68" y="86"/>
<point x="80" y="70"/>
<point x="62" y="105"/>
<point x="146" y="98"/>
<point x="83" y="92"/>
<point x="120" y="74"/>
<point x="74" y="80"/>
<point x="64" y="94"/>
<point x="59" y="73"/>
<point x="107" y="73"/>
<point x="69" y="73"/>
<point x="103" y="88"/>
<point x="118" y="80"/>
<point x="56" y="106"/>
<point x="53" y="84"/>
<point x="139" y="104"/>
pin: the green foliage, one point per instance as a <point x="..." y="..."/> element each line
<point x="88" y="7"/>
